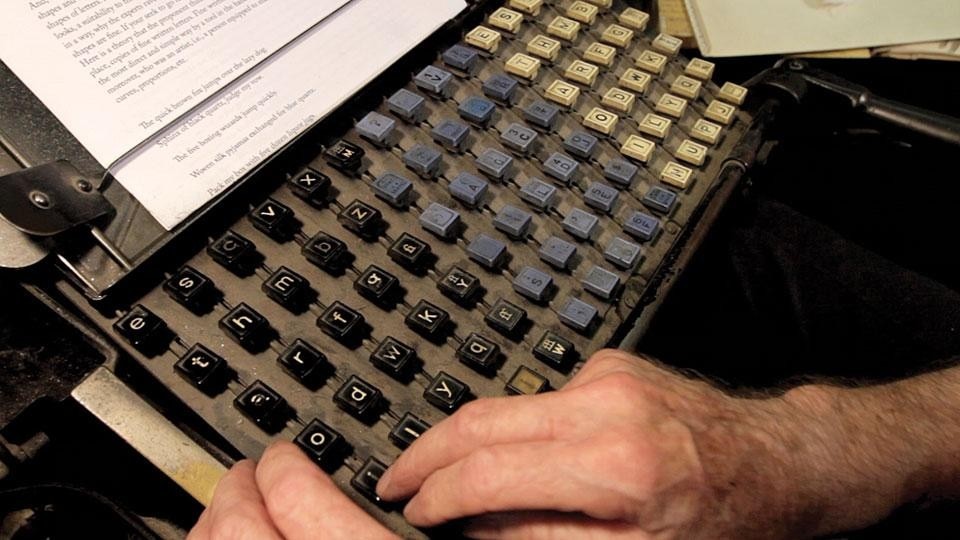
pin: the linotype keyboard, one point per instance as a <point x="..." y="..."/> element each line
<point x="492" y="222"/>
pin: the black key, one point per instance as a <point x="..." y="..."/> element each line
<point x="311" y="186"/>
<point x="144" y="330"/>
<point x="362" y="219"/>
<point x="365" y="481"/>
<point x="304" y="362"/>
<point x="377" y="285"/>
<point x="235" y="253"/>
<point x="359" y="398"/>
<point x="555" y="351"/>
<point x="321" y="443"/>
<point x="427" y="319"/>
<point x="263" y="405"/>
<point x="446" y="392"/>
<point x="393" y="357"/>
<point x="275" y="220"/>
<point x="289" y="289"/>
<point x="526" y="381"/>
<point x="408" y="430"/>
<point x="247" y="327"/>
<point x="410" y="252"/>
<point x="191" y="289"/>
<point x="204" y="368"/>
<point x="327" y="252"/>
<point x="459" y="285"/>
<point x="506" y="318"/>
<point x="345" y="156"/>
<point x="479" y="353"/>
<point x="341" y="322"/>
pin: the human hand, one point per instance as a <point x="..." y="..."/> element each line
<point x="625" y="449"/>
<point x="285" y="495"/>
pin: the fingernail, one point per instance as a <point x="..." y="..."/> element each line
<point x="383" y="485"/>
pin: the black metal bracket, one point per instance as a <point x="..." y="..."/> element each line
<point x="796" y="78"/>
<point x="50" y="199"/>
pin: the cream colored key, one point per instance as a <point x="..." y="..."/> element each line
<point x="562" y="92"/>
<point x="651" y="61"/>
<point x="618" y="99"/>
<point x="676" y="175"/>
<point x="606" y="4"/>
<point x="668" y="44"/>
<point x="582" y="72"/>
<point x="687" y="87"/>
<point x="638" y="148"/>
<point x="598" y="53"/>
<point x="544" y="47"/>
<point x="700" y="69"/>
<point x="634" y="18"/>
<point x="600" y="120"/>
<point x="564" y="28"/>
<point x="706" y="131"/>
<point x="523" y="66"/>
<point x="636" y="80"/>
<point x="719" y="111"/>
<point x="692" y="153"/>
<point x="506" y="19"/>
<point x="530" y="7"/>
<point x="583" y="12"/>
<point x="672" y="105"/>
<point x="617" y="35"/>
<point x="483" y="38"/>
<point x="732" y="93"/>
<point x="655" y="125"/>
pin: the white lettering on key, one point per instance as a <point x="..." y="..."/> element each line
<point x="241" y="322"/>
<point x="284" y="283"/>
<point x="357" y="394"/>
<point x="428" y="316"/>
<point x="138" y="323"/>
<point x="317" y="439"/>
<point x="445" y="389"/>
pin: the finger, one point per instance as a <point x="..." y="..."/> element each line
<point x="201" y="529"/>
<point x="479" y="423"/>
<point x="304" y="502"/>
<point x="535" y="525"/>
<point x="526" y="476"/>
<point x="237" y="510"/>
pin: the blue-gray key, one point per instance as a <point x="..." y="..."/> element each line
<point x="540" y="113"/>
<point x="434" y="80"/>
<point x="513" y="222"/>
<point x="539" y="194"/>
<point x="558" y="252"/>
<point x="641" y="226"/>
<point x="622" y="253"/>
<point x="394" y="189"/>
<point x="477" y="110"/>
<point x="601" y="196"/>
<point x="423" y="160"/>
<point x="580" y="144"/>
<point x="377" y="128"/>
<point x="495" y="164"/>
<point x="487" y="252"/>
<point x="451" y="135"/>
<point x="562" y="167"/>
<point x="408" y="106"/>
<point x="620" y="172"/>
<point x="500" y="87"/>
<point x="578" y="315"/>
<point x="519" y="137"/>
<point x="660" y="199"/>
<point x="580" y="224"/>
<point x="468" y="189"/>
<point x="533" y="284"/>
<point x="441" y="221"/>
<point x="601" y="282"/>
<point x="461" y="57"/>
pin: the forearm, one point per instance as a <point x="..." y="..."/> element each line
<point x="859" y="453"/>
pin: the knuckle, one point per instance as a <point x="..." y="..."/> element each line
<point x="479" y="473"/>
<point x="470" y="422"/>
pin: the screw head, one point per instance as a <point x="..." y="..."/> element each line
<point x="796" y="65"/>
<point x="84" y="185"/>
<point x="40" y="199"/>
